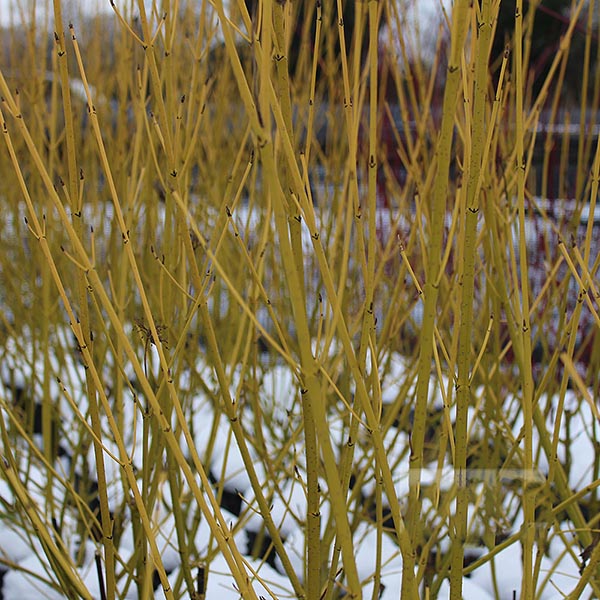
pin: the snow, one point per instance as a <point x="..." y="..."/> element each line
<point x="227" y="464"/>
<point x="419" y="24"/>
<point x="220" y="583"/>
<point x="15" y="546"/>
<point x="278" y="396"/>
<point x="288" y="509"/>
<point x="503" y="575"/>
<point x="31" y="581"/>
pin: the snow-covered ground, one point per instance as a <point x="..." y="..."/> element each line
<point x="26" y="572"/>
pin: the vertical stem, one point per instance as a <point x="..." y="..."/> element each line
<point x="368" y="326"/>
<point x="313" y="519"/>
<point x="463" y="385"/>
<point x="83" y="316"/>
<point x="523" y="318"/>
<point x="460" y="23"/>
